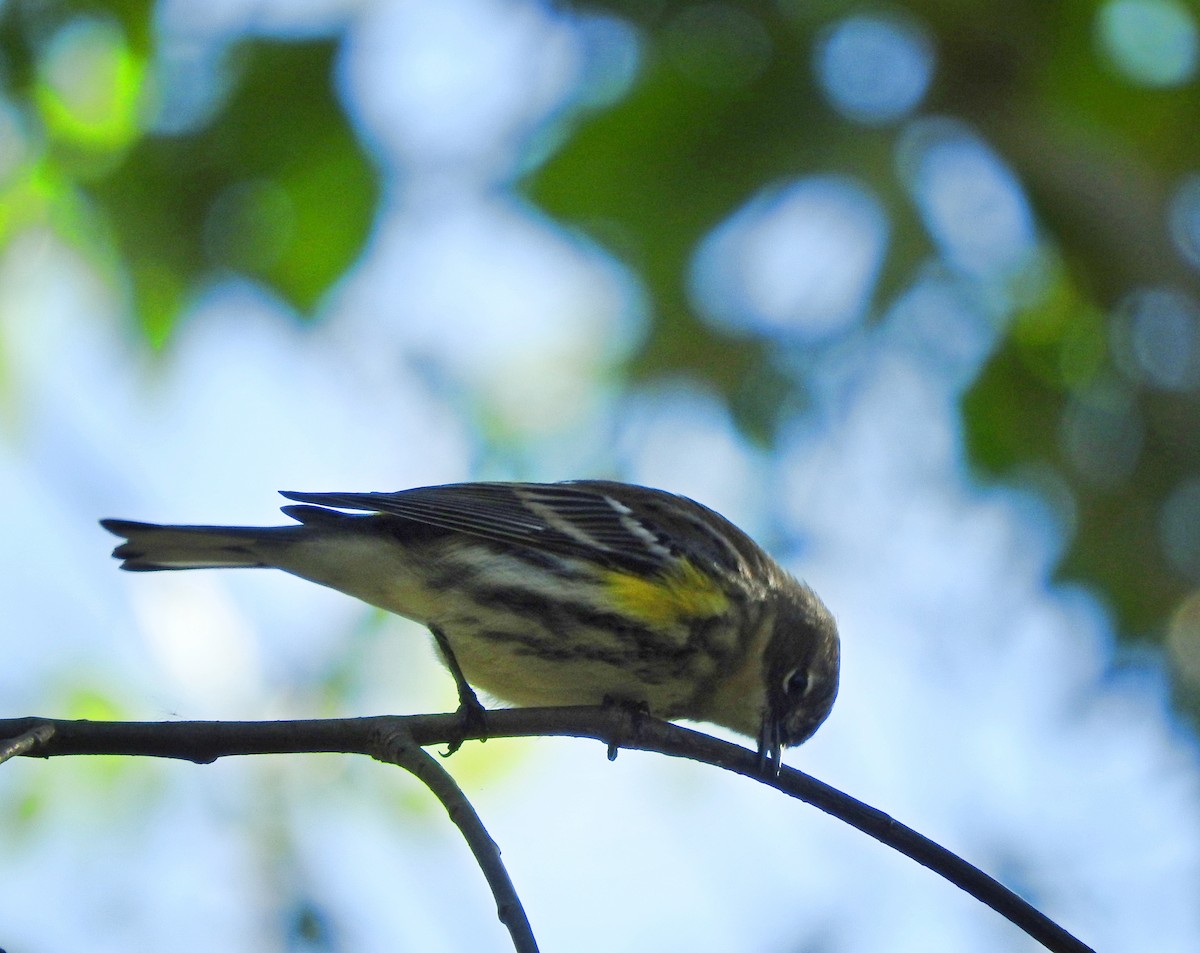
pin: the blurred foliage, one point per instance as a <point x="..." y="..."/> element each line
<point x="274" y="185"/>
<point x="1098" y="156"/>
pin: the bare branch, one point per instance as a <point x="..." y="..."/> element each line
<point x="395" y="745"/>
<point x="615" y="727"/>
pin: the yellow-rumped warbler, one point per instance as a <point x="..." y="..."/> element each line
<point x="558" y="594"/>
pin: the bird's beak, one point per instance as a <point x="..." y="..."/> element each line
<point x="770" y="747"/>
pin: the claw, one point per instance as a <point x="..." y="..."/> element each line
<point x="471" y="713"/>
<point x="634" y="712"/>
<point x="472" y="720"/>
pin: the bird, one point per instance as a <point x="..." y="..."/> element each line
<point x="576" y="593"/>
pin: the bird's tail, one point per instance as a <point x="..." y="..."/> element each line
<point x="150" y="546"/>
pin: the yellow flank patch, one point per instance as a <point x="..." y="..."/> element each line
<point x="684" y="593"/>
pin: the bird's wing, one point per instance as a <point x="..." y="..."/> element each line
<point x="611" y="523"/>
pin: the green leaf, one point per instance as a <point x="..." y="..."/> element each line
<point x="276" y="187"/>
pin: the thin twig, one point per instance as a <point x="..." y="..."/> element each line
<point x="25" y="742"/>
<point x="396" y="746"/>
<point x="207" y="741"/>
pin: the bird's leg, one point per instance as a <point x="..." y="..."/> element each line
<point x="635" y="713"/>
<point x="471" y="712"/>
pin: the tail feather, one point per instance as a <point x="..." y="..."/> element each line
<point x="150" y="546"/>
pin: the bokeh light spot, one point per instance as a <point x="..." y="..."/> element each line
<point x="1102" y="433"/>
<point x="1052" y="490"/>
<point x="874" y="69"/>
<point x="611" y="58"/>
<point x="971" y="203"/>
<point x="90" y="84"/>
<point x="803" y="256"/>
<point x="1151" y="42"/>
<point x="250" y="225"/>
<point x="1185" y="219"/>
<point x="938" y="319"/>
<point x="15" y="146"/>
<point x="1183" y="638"/>
<point x="1179" y="528"/>
<point x="1156" y="338"/>
<point x="456" y="88"/>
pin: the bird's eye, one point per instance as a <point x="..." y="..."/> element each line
<point x="796" y="683"/>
